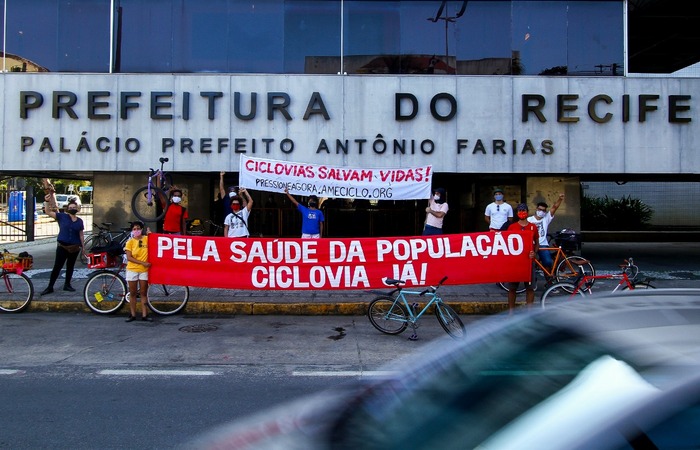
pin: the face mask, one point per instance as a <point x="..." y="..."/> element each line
<point x="498" y="197"/>
<point x="312" y="204"/>
<point x="436" y="197"/>
<point x="522" y="214"/>
<point x="136" y="233"/>
<point x="236" y="207"/>
<point x="177" y="199"/>
<point x="72" y="212"/>
<point x="540" y="213"/>
<point x="231" y="194"/>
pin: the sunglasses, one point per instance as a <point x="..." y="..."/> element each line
<point x="498" y="207"/>
<point x="140" y="244"/>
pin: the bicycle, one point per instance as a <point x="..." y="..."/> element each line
<point x="106" y="290"/>
<point x="391" y="314"/>
<point x="16" y="289"/>
<point x="103" y="236"/>
<point x="564" y="268"/>
<point x="215" y="229"/>
<point x="566" y="291"/>
<point x="150" y="202"/>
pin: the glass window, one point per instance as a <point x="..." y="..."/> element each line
<point x="304" y="36"/>
<point x="60" y="35"/>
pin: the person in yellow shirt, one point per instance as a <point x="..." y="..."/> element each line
<point x="136" y="250"/>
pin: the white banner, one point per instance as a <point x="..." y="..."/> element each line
<point x="335" y="182"/>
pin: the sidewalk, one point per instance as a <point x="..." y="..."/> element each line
<point x="670" y="264"/>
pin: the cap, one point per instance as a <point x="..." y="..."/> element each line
<point x="498" y="190"/>
<point x="521" y="207"/>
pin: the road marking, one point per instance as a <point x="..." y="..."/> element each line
<point x="156" y="372"/>
<point x="8" y="372"/>
<point x="345" y="373"/>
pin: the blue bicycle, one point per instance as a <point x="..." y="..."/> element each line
<point x="391" y="313"/>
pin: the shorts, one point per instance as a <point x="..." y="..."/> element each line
<point x="310" y="236"/>
<point x="135" y="276"/>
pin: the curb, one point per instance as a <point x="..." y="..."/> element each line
<point x="282" y="309"/>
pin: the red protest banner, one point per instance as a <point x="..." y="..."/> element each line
<point x="268" y="263"/>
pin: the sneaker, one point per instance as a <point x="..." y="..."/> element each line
<point x="130" y="319"/>
<point x="69" y="288"/>
<point x="147" y="319"/>
<point x="48" y="290"/>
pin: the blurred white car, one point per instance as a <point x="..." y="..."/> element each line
<point x="62" y="201"/>
<point x="610" y="372"/>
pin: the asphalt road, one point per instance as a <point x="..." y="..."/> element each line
<point x="82" y="381"/>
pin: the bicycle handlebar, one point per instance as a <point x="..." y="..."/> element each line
<point x="434" y="288"/>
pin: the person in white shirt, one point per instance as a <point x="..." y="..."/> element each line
<point x="236" y="223"/>
<point x="498" y="214"/>
<point x="542" y="218"/>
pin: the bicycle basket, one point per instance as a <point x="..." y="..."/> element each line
<point x="103" y="260"/>
<point x="568" y="240"/>
<point x="12" y="262"/>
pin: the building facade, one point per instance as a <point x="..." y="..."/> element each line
<point x="524" y="95"/>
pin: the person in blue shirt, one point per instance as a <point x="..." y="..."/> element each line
<point x="70" y="239"/>
<point x="311" y="218"/>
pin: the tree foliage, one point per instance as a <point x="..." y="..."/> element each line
<point x="609" y="214"/>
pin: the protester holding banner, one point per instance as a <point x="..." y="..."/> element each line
<point x="175" y="214"/>
<point x="311" y="218"/>
<point x="136" y="250"/>
<point x="435" y="213"/>
<point x="524" y="225"/>
<point x="498" y="214"/>
<point x="236" y="223"/>
<point x="226" y="195"/>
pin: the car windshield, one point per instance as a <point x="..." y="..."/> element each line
<point x="471" y="393"/>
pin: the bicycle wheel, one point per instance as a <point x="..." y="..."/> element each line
<point x="640" y="285"/>
<point x="449" y="320"/>
<point x="572" y="267"/>
<point x="559" y="293"/>
<point x="16" y="292"/>
<point x="504" y="286"/>
<point x="165" y="299"/>
<point x="387" y="316"/>
<point x="149" y="210"/>
<point x="105" y="292"/>
<point x="96" y="240"/>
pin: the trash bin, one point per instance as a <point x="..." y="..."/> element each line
<point x="16" y="211"/>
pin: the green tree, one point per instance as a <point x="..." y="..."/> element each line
<point x="609" y="214"/>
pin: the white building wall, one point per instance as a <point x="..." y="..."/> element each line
<point x="361" y="110"/>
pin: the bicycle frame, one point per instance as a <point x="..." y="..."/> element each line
<point x="160" y="181"/>
<point x="586" y="282"/>
<point x="558" y="257"/>
<point x="567" y="291"/>
<point x="401" y="297"/>
<point x="391" y="313"/>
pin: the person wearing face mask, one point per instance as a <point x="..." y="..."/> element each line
<point x="236" y="223"/>
<point x="498" y="214"/>
<point x="542" y="218"/>
<point x="136" y="250"/>
<point x="435" y="213"/>
<point x="530" y="229"/>
<point x="70" y="239"/>
<point x="175" y="214"/>
<point x="311" y="218"/>
<point x="227" y="195"/>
